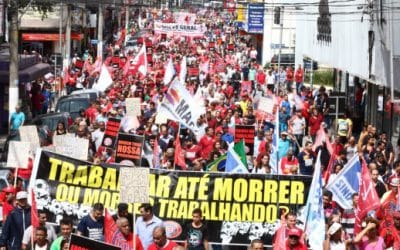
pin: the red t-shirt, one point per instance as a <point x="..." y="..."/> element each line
<point x="7" y="208"/>
<point x="206" y="145"/>
<point x="299" y="75"/>
<point x="286" y="165"/>
<point x="168" y="246"/>
<point x="315" y="123"/>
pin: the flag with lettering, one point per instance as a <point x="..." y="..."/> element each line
<point x="179" y="105"/>
<point x="369" y="199"/>
<point x="346" y="183"/>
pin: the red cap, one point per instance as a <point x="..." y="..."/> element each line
<point x="294" y="232"/>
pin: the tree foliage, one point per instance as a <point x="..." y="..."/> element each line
<point x="42" y="6"/>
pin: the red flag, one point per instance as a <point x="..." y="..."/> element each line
<point x="111" y="227"/>
<point x="369" y="199"/>
<point x="140" y="61"/>
<point x="34" y="212"/>
<point x="280" y="235"/>
<point x="179" y="156"/>
<point x="328" y="170"/>
<point x="127" y="66"/>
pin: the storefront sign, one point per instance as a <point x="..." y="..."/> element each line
<point x="255" y="18"/>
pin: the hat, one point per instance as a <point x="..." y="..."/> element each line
<point x="294" y="232"/>
<point x="22" y="195"/>
<point x="334" y="228"/>
<point x="395" y="182"/>
<point x="284" y="133"/>
<point x="9" y="189"/>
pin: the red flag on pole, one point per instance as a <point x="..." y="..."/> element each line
<point x="369" y="199"/>
<point x="34" y="212"/>
<point x="111" y="227"/>
<point x="329" y="168"/>
<point x="179" y="157"/>
<point x="280" y="236"/>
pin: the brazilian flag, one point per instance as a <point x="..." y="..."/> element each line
<point x="218" y="165"/>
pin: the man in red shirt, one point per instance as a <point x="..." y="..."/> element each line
<point x="123" y="237"/>
<point x="298" y="77"/>
<point x="289" y="78"/>
<point x="8" y="204"/>
<point x="160" y="240"/>
<point x="260" y="77"/>
<point x="206" y="143"/>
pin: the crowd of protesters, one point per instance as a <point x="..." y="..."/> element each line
<point x="231" y="97"/>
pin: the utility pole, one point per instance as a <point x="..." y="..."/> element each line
<point x="278" y="20"/>
<point x="68" y="37"/>
<point x="14" y="67"/>
<point x="100" y="33"/>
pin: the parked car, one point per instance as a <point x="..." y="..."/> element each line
<point x="51" y="120"/>
<point x="93" y="94"/>
<point x="286" y="59"/>
<point x="72" y="104"/>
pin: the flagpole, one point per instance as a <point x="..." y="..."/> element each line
<point x="179" y="131"/>
<point x="134" y="227"/>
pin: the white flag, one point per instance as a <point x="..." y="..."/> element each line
<point x="183" y="72"/>
<point x="104" y="81"/>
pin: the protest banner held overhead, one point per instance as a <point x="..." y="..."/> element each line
<point x="110" y="135"/>
<point x="254" y="203"/>
<point x="129" y="149"/>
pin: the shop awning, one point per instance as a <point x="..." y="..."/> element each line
<point x="49" y="36"/>
<point x="26" y="75"/>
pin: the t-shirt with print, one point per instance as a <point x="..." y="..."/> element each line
<point x="92" y="229"/>
<point x="196" y="236"/>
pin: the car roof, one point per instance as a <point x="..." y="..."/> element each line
<point x="77" y="96"/>
<point x="84" y="91"/>
<point x="51" y="114"/>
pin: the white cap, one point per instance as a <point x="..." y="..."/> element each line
<point x="22" y="195"/>
<point x="334" y="228"/>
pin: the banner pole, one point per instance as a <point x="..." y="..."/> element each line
<point x="16" y="177"/>
<point x="134" y="227"/>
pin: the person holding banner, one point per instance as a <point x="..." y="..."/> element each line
<point x="196" y="232"/>
<point x="160" y="241"/>
<point x="146" y="224"/>
<point x="123" y="237"/>
<point x="92" y="225"/>
<point x="66" y="227"/>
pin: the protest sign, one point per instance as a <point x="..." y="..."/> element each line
<point x="133" y="106"/>
<point x="228" y="201"/>
<point x="18" y="154"/>
<point x="191" y="30"/>
<point x="82" y="243"/>
<point x="29" y="133"/>
<point x="161" y="118"/>
<point x="247" y="133"/>
<point x="266" y="105"/>
<point x="111" y="132"/>
<point x="134" y="191"/>
<point x="72" y="146"/>
<point x="129" y="149"/>
<point x="184" y="17"/>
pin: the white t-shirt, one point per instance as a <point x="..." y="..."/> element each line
<point x="51" y="234"/>
<point x="298" y="125"/>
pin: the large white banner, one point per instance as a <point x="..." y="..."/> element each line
<point x="192" y="30"/>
